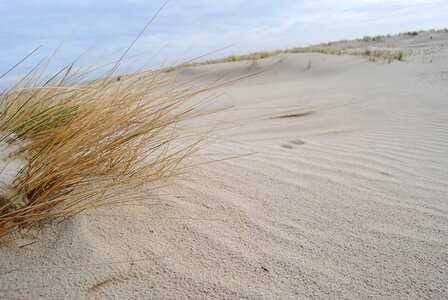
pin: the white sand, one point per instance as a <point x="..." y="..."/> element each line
<point x="9" y="169"/>
<point x="347" y="199"/>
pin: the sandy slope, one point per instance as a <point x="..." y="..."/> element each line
<point x="345" y="197"/>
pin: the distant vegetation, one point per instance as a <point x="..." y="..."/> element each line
<point x="254" y="56"/>
<point x="381" y="55"/>
<point x="324" y="48"/>
<point x="373" y="56"/>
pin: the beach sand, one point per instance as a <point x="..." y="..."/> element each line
<point x="342" y="193"/>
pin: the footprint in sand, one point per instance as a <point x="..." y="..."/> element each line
<point x="295" y="142"/>
<point x="298" y="142"/>
<point x="287" y="146"/>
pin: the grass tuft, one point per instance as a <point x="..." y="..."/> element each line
<point x="380" y="55"/>
<point x="83" y="142"/>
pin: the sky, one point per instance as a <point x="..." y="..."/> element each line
<point x="186" y="29"/>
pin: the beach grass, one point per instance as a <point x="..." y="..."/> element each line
<point x="81" y="142"/>
<point x="380" y="55"/>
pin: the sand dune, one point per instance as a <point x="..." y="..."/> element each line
<point x="344" y="194"/>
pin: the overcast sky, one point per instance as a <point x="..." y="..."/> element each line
<point x="202" y="25"/>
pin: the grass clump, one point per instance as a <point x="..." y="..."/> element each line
<point x="380" y="55"/>
<point x="82" y="143"/>
<point x="264" y="54"/>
